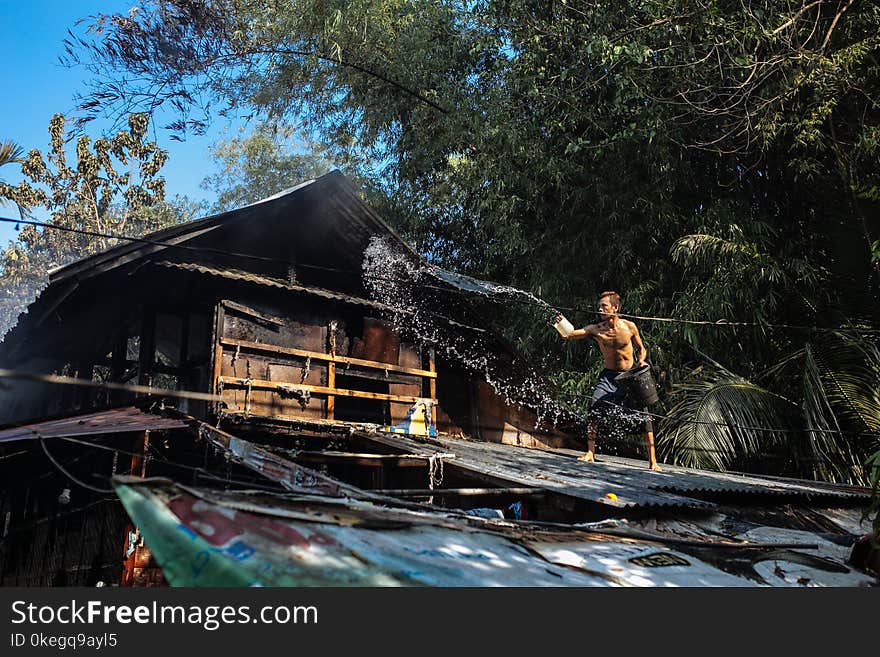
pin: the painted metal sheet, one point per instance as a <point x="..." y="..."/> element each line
<point x="825" y="566"/>
<point x="213" y="538"/>
<point x="731" y="542"/>
<point x="638" y="564"/>
<point x="200" y="540"/>
<point x="116" y="420"/>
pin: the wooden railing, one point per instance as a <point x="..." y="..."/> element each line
<point x="330" y="390"/>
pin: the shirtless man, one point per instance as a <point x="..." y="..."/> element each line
<point x="616" y="337"/>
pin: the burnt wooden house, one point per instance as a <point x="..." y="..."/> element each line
<point x="263" y="310"/>
<point x="188" y="379"/>
<point x="264" y="306"/>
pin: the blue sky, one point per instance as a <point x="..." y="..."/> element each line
<point x="35" y="86"/>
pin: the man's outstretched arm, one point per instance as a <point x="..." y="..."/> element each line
<point x="580" y="333"/>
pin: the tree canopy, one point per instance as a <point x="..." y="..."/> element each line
<point x="709" y="160"/>
<point x="259" y="163"/>
<point x="114" y="187"/>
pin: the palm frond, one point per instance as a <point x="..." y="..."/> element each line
<point x="10" y="152"/>
<point x="841" y="395"/>
<point x="872" y="468"/>
<point x="825" y="448"/>
<point x="720" y="418"/>
<point x="850" y="369"/>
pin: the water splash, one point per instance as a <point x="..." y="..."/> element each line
<point x="415" y="291"/>
<point x="489" y="289"/>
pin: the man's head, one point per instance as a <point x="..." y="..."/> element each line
<point x="609" y="304"/>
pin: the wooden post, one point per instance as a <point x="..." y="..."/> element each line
<point x="331" y="367"/>
<point x="139" y="461"/>
<point x="147" y="354"/>
<point x="331" y="383"/>
<point x="432" y="385"/>
<point x="217" y="346"/>
<point x="119" y="361"/>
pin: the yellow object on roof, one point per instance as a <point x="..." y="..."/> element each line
<point x="417" y="421"/>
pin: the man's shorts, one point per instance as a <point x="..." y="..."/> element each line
<point x="610" y="404"/>
<point x="607" y="390"/>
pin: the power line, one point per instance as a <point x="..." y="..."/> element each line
<point x="203" y="249"/>
<point x="730" y="425"/>
<point x="203" y="396"/>
<point x="200" y="471"/>
<point x="191" y="468"/>
<point x="108" y="385"/>
<point x="66" y="473"/>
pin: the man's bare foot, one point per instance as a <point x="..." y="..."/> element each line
<point x="587" y="458"/>
<point x="655" y="467"/>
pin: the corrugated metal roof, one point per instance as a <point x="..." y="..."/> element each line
<point x="550" y="470"/>
<point x="559" y="471"/>
<point x="171" y="235"/>
<point x="344" y="219"/>
<point x="116" y="420"/>
<point x="255" y="279"/>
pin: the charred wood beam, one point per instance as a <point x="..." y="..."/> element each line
<point x="432" y="384"/>
<point x="272" y="466"/>
<point x="262" y="317"/>
<point x="460" y="492"/>
<point x="217" y="353"/>
<point x="366" y="460"/>
<point x="377" y="376"/>
<point x="148" y="346"/>
<point x="287" y="388"/>
<point x="318" y="355"/>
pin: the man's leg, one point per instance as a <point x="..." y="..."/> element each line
<point x="649" y="443"/>
<point x="604" y="387"/>
<point x="589" y="457"/>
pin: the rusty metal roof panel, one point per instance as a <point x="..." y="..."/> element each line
<point x="256" y="279"/>
<point x="116" y="420"/>
<point x="629" y="480"/>
<point x="550" y="470"/>
<point x="180" y="233"/>
<point x="688" y="480"/>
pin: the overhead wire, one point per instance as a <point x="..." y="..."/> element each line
<point x="204" y="249"/>
<point x="168" y="462"/>
<point x="108" y="385"/>
<point x="201" y="471"/>
<point x="730" y="425"/>
<point x="209" y="397"/>
<point x="76" y="480"/>
<point x="190" y="394"/>
<point x="639" y="412"/>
